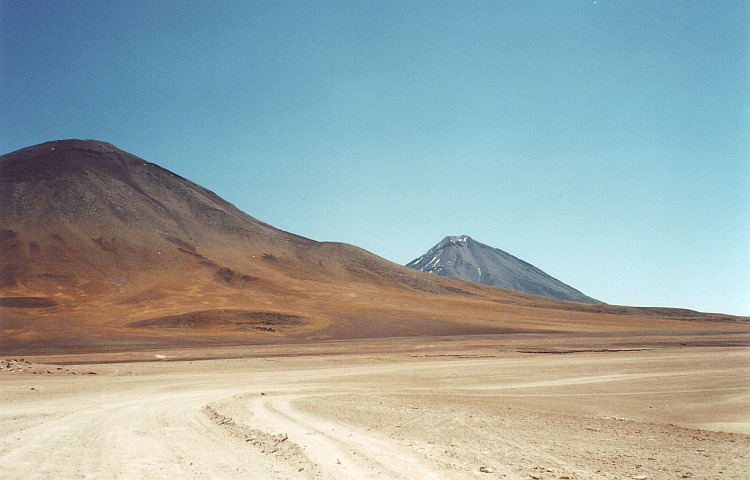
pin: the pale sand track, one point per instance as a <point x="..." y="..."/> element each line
<point x="452" y="414"/>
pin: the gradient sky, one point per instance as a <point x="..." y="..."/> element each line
<point x="605" y="142"/>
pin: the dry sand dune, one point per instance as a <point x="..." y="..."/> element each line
<point x="447" y="409"/>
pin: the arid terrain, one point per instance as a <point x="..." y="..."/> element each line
<point x="103" y="251"/>
<point x="150" y="329"/>
<point x="478" y="407"/>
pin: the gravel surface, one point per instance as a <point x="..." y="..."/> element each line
<point x="434" y="412"/>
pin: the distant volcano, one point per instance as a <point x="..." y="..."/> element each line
<point x="463" y="257"/>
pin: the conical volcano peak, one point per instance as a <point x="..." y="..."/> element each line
<point x="458" y="240"/>
<point x="465" y="258"/>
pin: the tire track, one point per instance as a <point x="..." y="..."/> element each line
<point x="331" y="450"/>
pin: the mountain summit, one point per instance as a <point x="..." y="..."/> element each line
<point x="465" y="258"/>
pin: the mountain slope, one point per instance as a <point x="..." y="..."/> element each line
<point x="463" y="257"/>
<point x="86" y="215"/>
<point x="103" y="251"/>
<point x="100" y="246"/>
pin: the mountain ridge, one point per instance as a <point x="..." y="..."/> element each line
<point x="101" y="250"/>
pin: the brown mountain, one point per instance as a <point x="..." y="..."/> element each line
<point x="100" y="249"/>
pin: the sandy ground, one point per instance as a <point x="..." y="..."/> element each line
<point x="447" y="411"/>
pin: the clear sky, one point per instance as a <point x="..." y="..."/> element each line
<point x="605" y="142"/>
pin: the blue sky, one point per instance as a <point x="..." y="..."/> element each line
<point x="607" y="142"/>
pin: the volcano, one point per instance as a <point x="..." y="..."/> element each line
<point x="103" y="250"/>
<point x="465" y="258"/>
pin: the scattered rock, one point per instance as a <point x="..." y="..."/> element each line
<point x="486" y="469"/>
<point x="15" y="364"/>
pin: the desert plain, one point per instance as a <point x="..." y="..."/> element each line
<point x="487" y="406"/>
<point x="150" y="329"/>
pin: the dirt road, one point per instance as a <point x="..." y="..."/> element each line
<point x="432" y="413"/>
